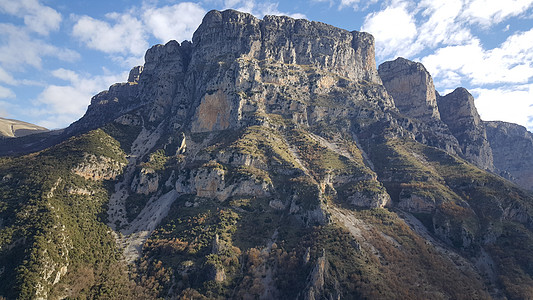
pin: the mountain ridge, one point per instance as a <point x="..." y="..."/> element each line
<point x="16" y="128"/>
<point x="269" y="159"/>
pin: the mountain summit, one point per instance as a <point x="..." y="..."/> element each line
<point x="270" y="159"/>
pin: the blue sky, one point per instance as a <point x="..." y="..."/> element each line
<point x="56" y="54"/>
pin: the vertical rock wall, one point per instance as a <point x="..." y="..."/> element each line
<point x="459" y="112"/>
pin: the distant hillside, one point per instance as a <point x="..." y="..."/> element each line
<point x="15" y="128"/>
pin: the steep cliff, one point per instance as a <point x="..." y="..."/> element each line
<point x="450" y="122"/>
<point x="412" y="88"/>
<point x="512" y="147"/>
<point x="264" y="159"/>
<point x="413" y="93"/>
<point x="235" y="60"/>
<point x="458" y="111"/>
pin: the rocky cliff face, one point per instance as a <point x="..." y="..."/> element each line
<point x="512" y="147"/>
<point x="413" y="92"/>
<point x="411" y="87"/>
<point x="234" y="60"/>
<point x="450" y="122"/>
<point x="458" y="111"/>
<point x="265" y="159"/>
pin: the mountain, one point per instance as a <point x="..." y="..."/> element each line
<point x="512" y="148"/>
<point x="270" y="159"/>
<point x="15" y="128"/>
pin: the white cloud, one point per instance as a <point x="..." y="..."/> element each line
<point x="59" y="105"/>
<point x="231" y="3"/>
<point x="393" y="28"/>
<point x="124" y="34"/>
<point x="512" y="62"/>
<point x="19" y="49"/>
<point x="260" y="9"/>
<point x="6" y="107"/>
<point x="490" y="12"/>
<point x="6" y="77"/>
<point x="6" y="93"/>
<point x="67" y="75"/>
<point x="176" y="22"/>
<point x="356" y="4"/>
<point x="127" y="34"/>
<point x="453" y="60"/>
<point x="37" y="17"/>
<point x="506" y="104"/>
<point x="442" y="25"/>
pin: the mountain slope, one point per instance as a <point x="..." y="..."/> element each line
<point x="266" y="159"/>
<point x="15" y="128"/>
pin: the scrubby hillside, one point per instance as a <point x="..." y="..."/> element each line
<point x="267" y="159"/>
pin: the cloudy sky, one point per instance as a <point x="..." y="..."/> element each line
<point x="56" y="54"/>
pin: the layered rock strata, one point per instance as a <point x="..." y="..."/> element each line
<point x="411" y="87"/>
<point x="512" y="148"/>
<point x="458" y="111"/>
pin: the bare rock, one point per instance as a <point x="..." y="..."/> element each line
<point x="98" y="168"/>
<point x="459" y="112"/>
<point x="145" y="182"/>
<point x="369" y="200"/>
<point x="135" y="73"/>
<point x="286" y="40"/>
<point x="512" y="148"/>
<point x="416" y="203"/>
<point x="411" y="87"/>
<point x="210" y="181"/>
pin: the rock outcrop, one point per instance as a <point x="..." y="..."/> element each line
<point x="512" y="148"/>
<point x="411" y="87"/>
<point x="285" y="40"/>
<point x="414" y="95"/>
<point x="215" y="80"/>
<point x="98" y="168"/>
<point x="458" y="111"/>
<point x="450" y="122"/>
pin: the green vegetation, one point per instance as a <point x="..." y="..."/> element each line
<point x="124" y="134"/>
<point x="183" y="246"/>
<point x="157" y="160"/>
<point x="471" y="207"/>
<point x="52" y="223"/>
<point x="265" y="144"/>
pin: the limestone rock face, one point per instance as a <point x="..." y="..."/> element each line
<point x="375" y="200"/>
<point x="146" y="182"/>
<point x="512" y="148"/>
<point x="411" y="87"/>
<point x="162" y="81"/>
<point x="135" y="73"/>
<point x="416" y="203"/>
<point x="286" y="40"/>
<point x="215" y="80"/>
<point x="106" y="106"/>
<point x="458" y="111"/>
<point x="98" y="168"/>
<point x="414" y="95"/>
<point x="212" y="182"/>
